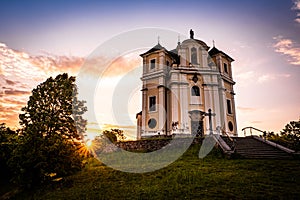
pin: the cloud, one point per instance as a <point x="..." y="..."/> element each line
<point x="7" y="100"/>
<point x="15" y="64"/>
<point x="296" y="7"/>
<point x="245" y="75"/>
<point x="20" y="72"/>
<point x="256" y="122"/>
<point x="246" y="109"/>
<point x="8" y="118"/>
<point x="9" y="82"/>
<point x="14" y="92"/>
<point x="123" y="65"/>
<point x="103" y="66"/>
<point x="244" y="78"/>
<point x="265" y="78"/>
<point x="269" y="77"/>
<point x="9" y="111"/>
<point x="289" y="48"/>
<point x="54" y="63"/>
<point x="251" y="77"/>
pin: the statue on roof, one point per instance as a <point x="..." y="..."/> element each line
<point x="191" y="34"/>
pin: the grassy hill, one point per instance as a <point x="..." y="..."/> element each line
<point x="213" y="177"/>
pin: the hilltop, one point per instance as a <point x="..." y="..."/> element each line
<point x="189" y="177"/>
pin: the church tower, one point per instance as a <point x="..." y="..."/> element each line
<point x="181" y="87"/>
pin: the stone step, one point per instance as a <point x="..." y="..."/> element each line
<point x="268" y="157"/>
<point x="260" y="152"/>
<point x="249" y="147"/>
<point x="257" y="150"/>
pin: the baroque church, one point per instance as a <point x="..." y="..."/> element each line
<point x="187" y="90"/>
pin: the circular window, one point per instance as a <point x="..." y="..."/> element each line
<point x="152" y="123"/>
<point x="230" y="126"/>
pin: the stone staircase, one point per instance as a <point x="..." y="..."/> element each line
<point x="250" y="147"/>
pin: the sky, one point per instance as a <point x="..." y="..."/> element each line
<point x="39" y="39"/>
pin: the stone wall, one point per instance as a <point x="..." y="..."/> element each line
<point x="151" y="144"/>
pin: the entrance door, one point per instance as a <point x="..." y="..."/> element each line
<point x="197" y="128"/>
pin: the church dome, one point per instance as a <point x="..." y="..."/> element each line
<point x="197" y="41"/>
<point x="192" y="40"/>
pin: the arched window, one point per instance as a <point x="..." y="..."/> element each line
<point x="194" y="56"/>
<point x="195" y="91"/>
<point x="230" y="126"/>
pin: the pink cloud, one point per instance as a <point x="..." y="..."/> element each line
<point x="122" y="65"/>
<point x="103" y="66"/>
<point x="289" y="48"/>
<point x="246" y="109"/>
<point x="9" y="82"/>
<point x="20" y="72"/>
<point x="269" y="77"/>
<point x="53" y="63"/>
<point x="15" y="92"/>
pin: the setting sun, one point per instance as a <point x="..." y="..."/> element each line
<point x="89" y="144"/>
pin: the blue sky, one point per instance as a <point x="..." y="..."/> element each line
<point x="262" y="36"/>
<point x="78" y="26"/>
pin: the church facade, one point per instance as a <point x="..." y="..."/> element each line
<point x="188" y="90"/>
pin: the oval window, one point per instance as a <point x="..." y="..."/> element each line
<point x="152" y="123"/>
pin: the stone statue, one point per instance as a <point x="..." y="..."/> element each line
<point x="191" y="34"/>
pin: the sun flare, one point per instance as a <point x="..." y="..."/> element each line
<point x="89" y="144"/>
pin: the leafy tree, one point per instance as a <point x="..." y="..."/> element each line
<point x="47" y="144"/>
<point x="292" y="128"/>
<point x="6" y="147"/>
<point x="103" y="142"/>
<point x="53" y="107"/>
<point x="114" y="135"/>
<point x="291" y="133"/>
<point x="289" y="136"/>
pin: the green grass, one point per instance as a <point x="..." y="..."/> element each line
<point x="213" y="177"/>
